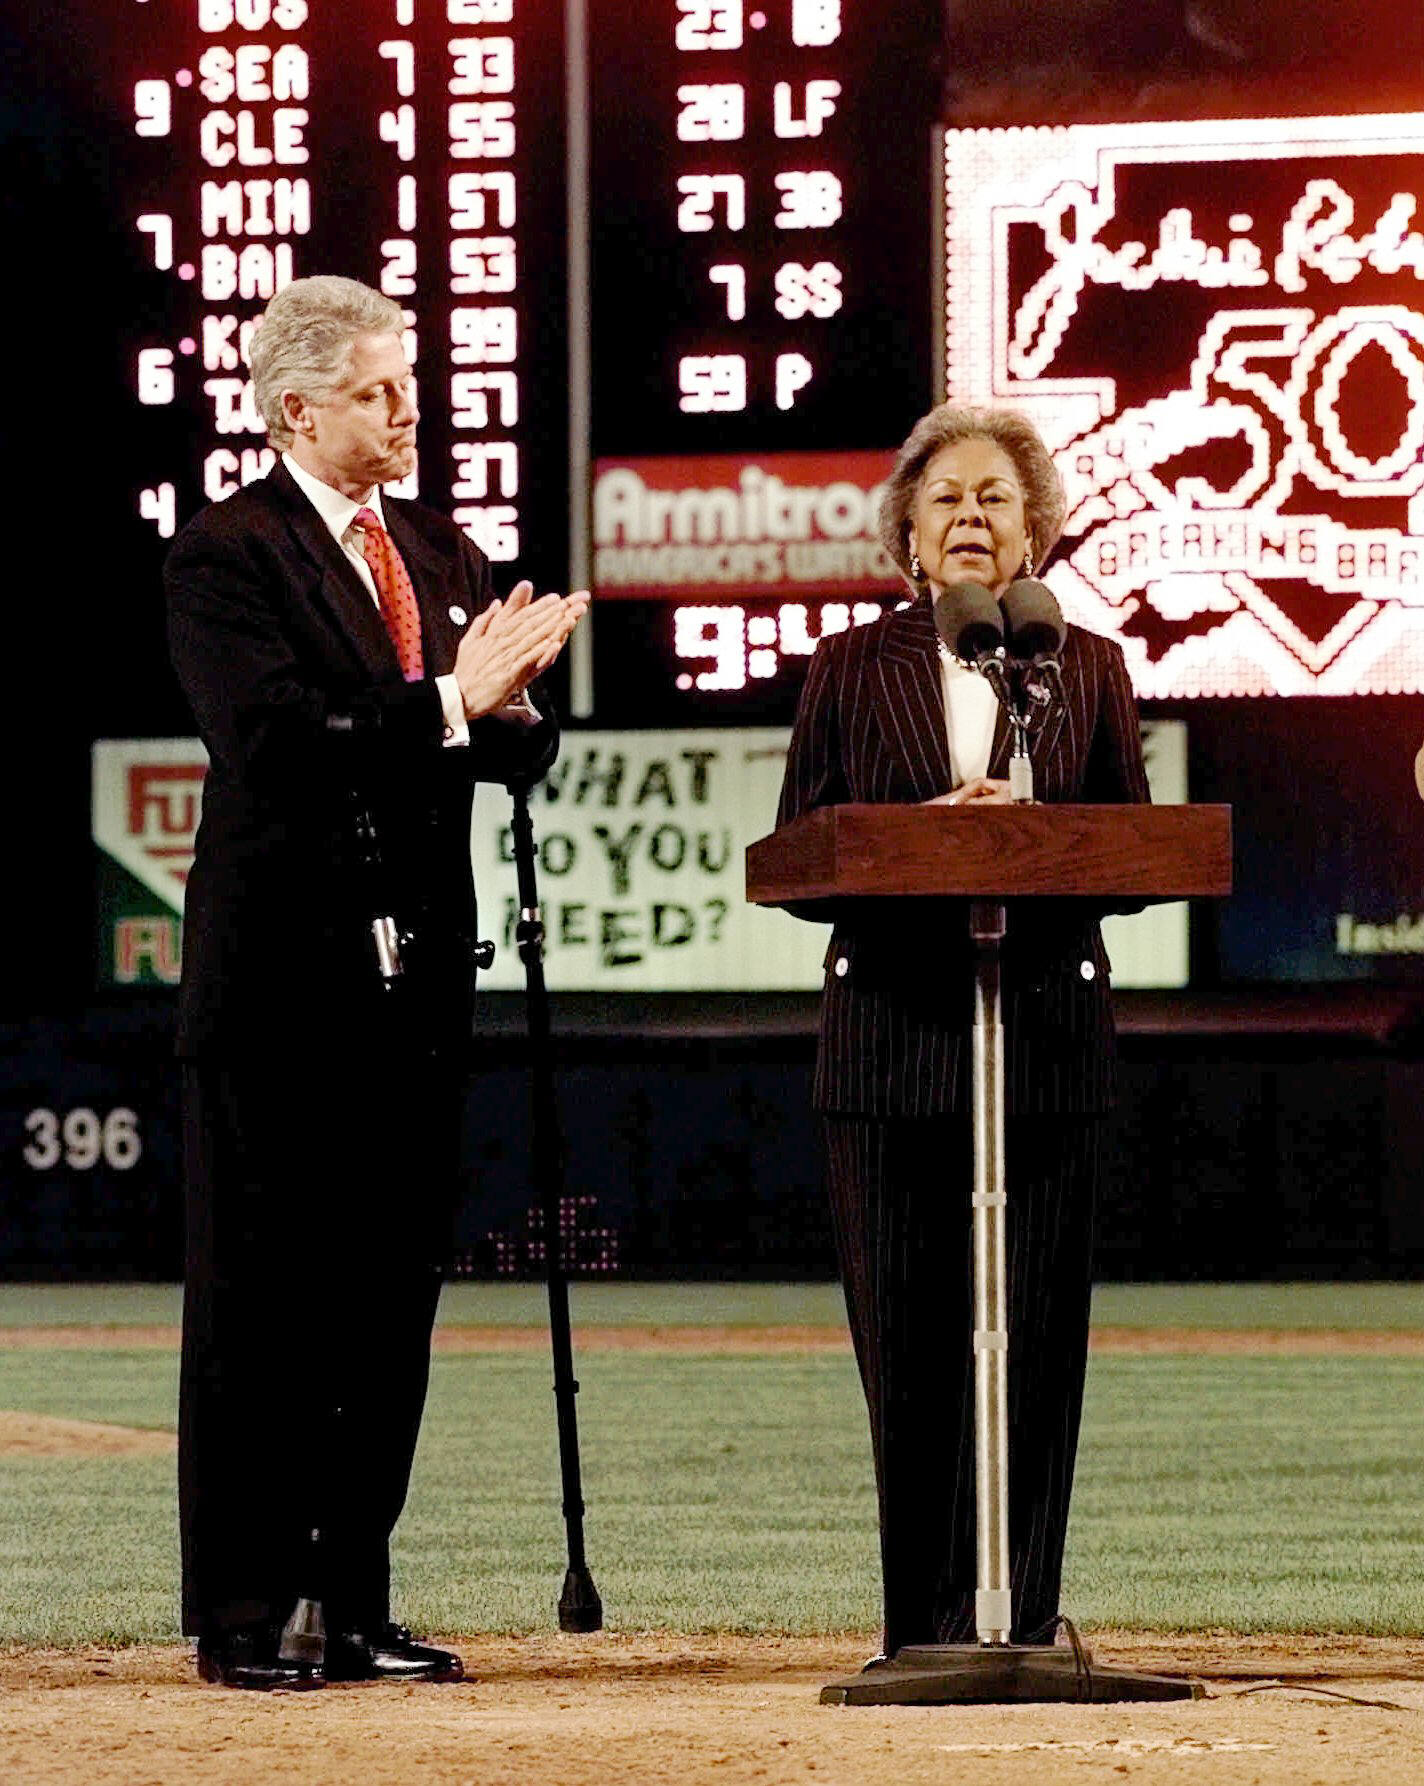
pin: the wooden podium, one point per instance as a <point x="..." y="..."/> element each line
<point x="988" y="855"/>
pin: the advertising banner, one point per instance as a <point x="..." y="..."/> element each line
<point x="642" y="839"/>
<point x="147" y="797"/>
<point x="642" y="842"/>
<point x="1218" y="327"/>
<point x="762" y="525"/>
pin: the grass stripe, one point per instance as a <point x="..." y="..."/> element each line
<point x="1247" y="1493"/>
<point x="1383" y="1307"/>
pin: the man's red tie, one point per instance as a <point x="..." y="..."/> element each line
<point x="399" y="609"/>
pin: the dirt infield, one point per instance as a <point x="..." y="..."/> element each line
<point x="552" y="1711"/>
<point x="48" y="1435"/>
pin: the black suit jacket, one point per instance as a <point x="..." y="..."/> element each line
<point x="300" y="701"/>
<point x="898" y="1002"/>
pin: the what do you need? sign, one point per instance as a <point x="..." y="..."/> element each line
<point x="642" y="839"/>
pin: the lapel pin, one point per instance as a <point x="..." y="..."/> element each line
<point x="458" y="614"/>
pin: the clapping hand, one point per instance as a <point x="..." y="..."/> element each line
<point x="511" y="642"/>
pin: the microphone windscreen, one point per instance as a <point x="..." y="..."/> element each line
<point x="1033" y="619"/>
<point x="968" y="619"/>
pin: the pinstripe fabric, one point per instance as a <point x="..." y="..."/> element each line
<point x="893" y="1075"/>
<point x="895" y="1022"/>
<point x="900" y="1193"/>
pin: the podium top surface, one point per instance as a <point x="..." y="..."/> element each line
<point x="995" y="852"/>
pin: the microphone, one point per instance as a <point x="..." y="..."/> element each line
<point x="1014" y="643"/>
<point x="970" y="622"/>
<point x="1036" y="632"/>
<point x="1033" y="620"/>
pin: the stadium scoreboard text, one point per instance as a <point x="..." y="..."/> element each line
<point x="760" y="275"/>
<point x="762" y="325"/>
<point x="411" y="148"/>
<point x="1217" y="325"/>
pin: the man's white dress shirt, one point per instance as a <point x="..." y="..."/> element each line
<point x="339" y="512"/>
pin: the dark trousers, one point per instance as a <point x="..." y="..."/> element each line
<point x="319" y="1199"/>
<point x="900" y="1191"/>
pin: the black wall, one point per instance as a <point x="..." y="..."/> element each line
<point x="1275" y="1139"/>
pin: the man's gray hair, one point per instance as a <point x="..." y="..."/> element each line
<point x="306" y="340"/>
<point x="1044" y="505"/>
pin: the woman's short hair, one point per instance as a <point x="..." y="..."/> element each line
<point x="1044" y="504"/>
<point x="306" y="338"/>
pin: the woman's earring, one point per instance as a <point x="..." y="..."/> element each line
<point x="917" y="570"/>
<point x="1028" y="559"/>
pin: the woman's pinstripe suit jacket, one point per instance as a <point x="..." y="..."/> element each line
<point x="897" y="1009"/>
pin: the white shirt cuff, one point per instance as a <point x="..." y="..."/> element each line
<point x="457" y="731"/>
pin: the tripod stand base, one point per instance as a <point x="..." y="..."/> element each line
<point x="999" y="1674"/>
<point x="580" y="1608"/>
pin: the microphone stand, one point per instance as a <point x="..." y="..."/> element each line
<point x="1020" y="764"/>
<point x="580" y="1608"/>
<point x="1023" y="702"/>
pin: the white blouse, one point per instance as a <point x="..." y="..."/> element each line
<point x="970" y="711"/>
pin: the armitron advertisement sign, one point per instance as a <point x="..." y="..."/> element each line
<point x="766" y="525"/>
<point x="1218" y="326"/>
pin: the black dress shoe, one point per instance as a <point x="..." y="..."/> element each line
<point x="248" y="1658"/>
<point x="389" y="1653"/>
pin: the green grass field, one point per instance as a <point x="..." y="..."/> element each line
<point x="1383" y="1307"/>
<point x="733" y="1493"/>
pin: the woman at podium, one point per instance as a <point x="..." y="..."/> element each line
<point x="888" y="715"/>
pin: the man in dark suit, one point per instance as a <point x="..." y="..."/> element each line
<point x="352" y="676"/>
<point x="886" y="716"/>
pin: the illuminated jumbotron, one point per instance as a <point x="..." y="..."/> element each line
<point x="1218" y="326"/>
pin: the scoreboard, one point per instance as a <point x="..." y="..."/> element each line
<point x="417" y="147"/>
<point x="754" y="221"/>
<point x="753" y="215"/>
<point x="1217" y="323"/>
<point x="761" y="232"/>
<point x="678" y="277"/>
<point x="762" y="303"/>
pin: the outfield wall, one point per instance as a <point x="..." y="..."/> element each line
<point x="1266" y="1136"/>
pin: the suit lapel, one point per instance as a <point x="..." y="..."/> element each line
<point x="337" y="586"/>
<point x="1043" y="745"/>
<point x="910" y="696"/>
<point x="346" y="599"/>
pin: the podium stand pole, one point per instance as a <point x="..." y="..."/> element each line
<point x="993" y="1600"/>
